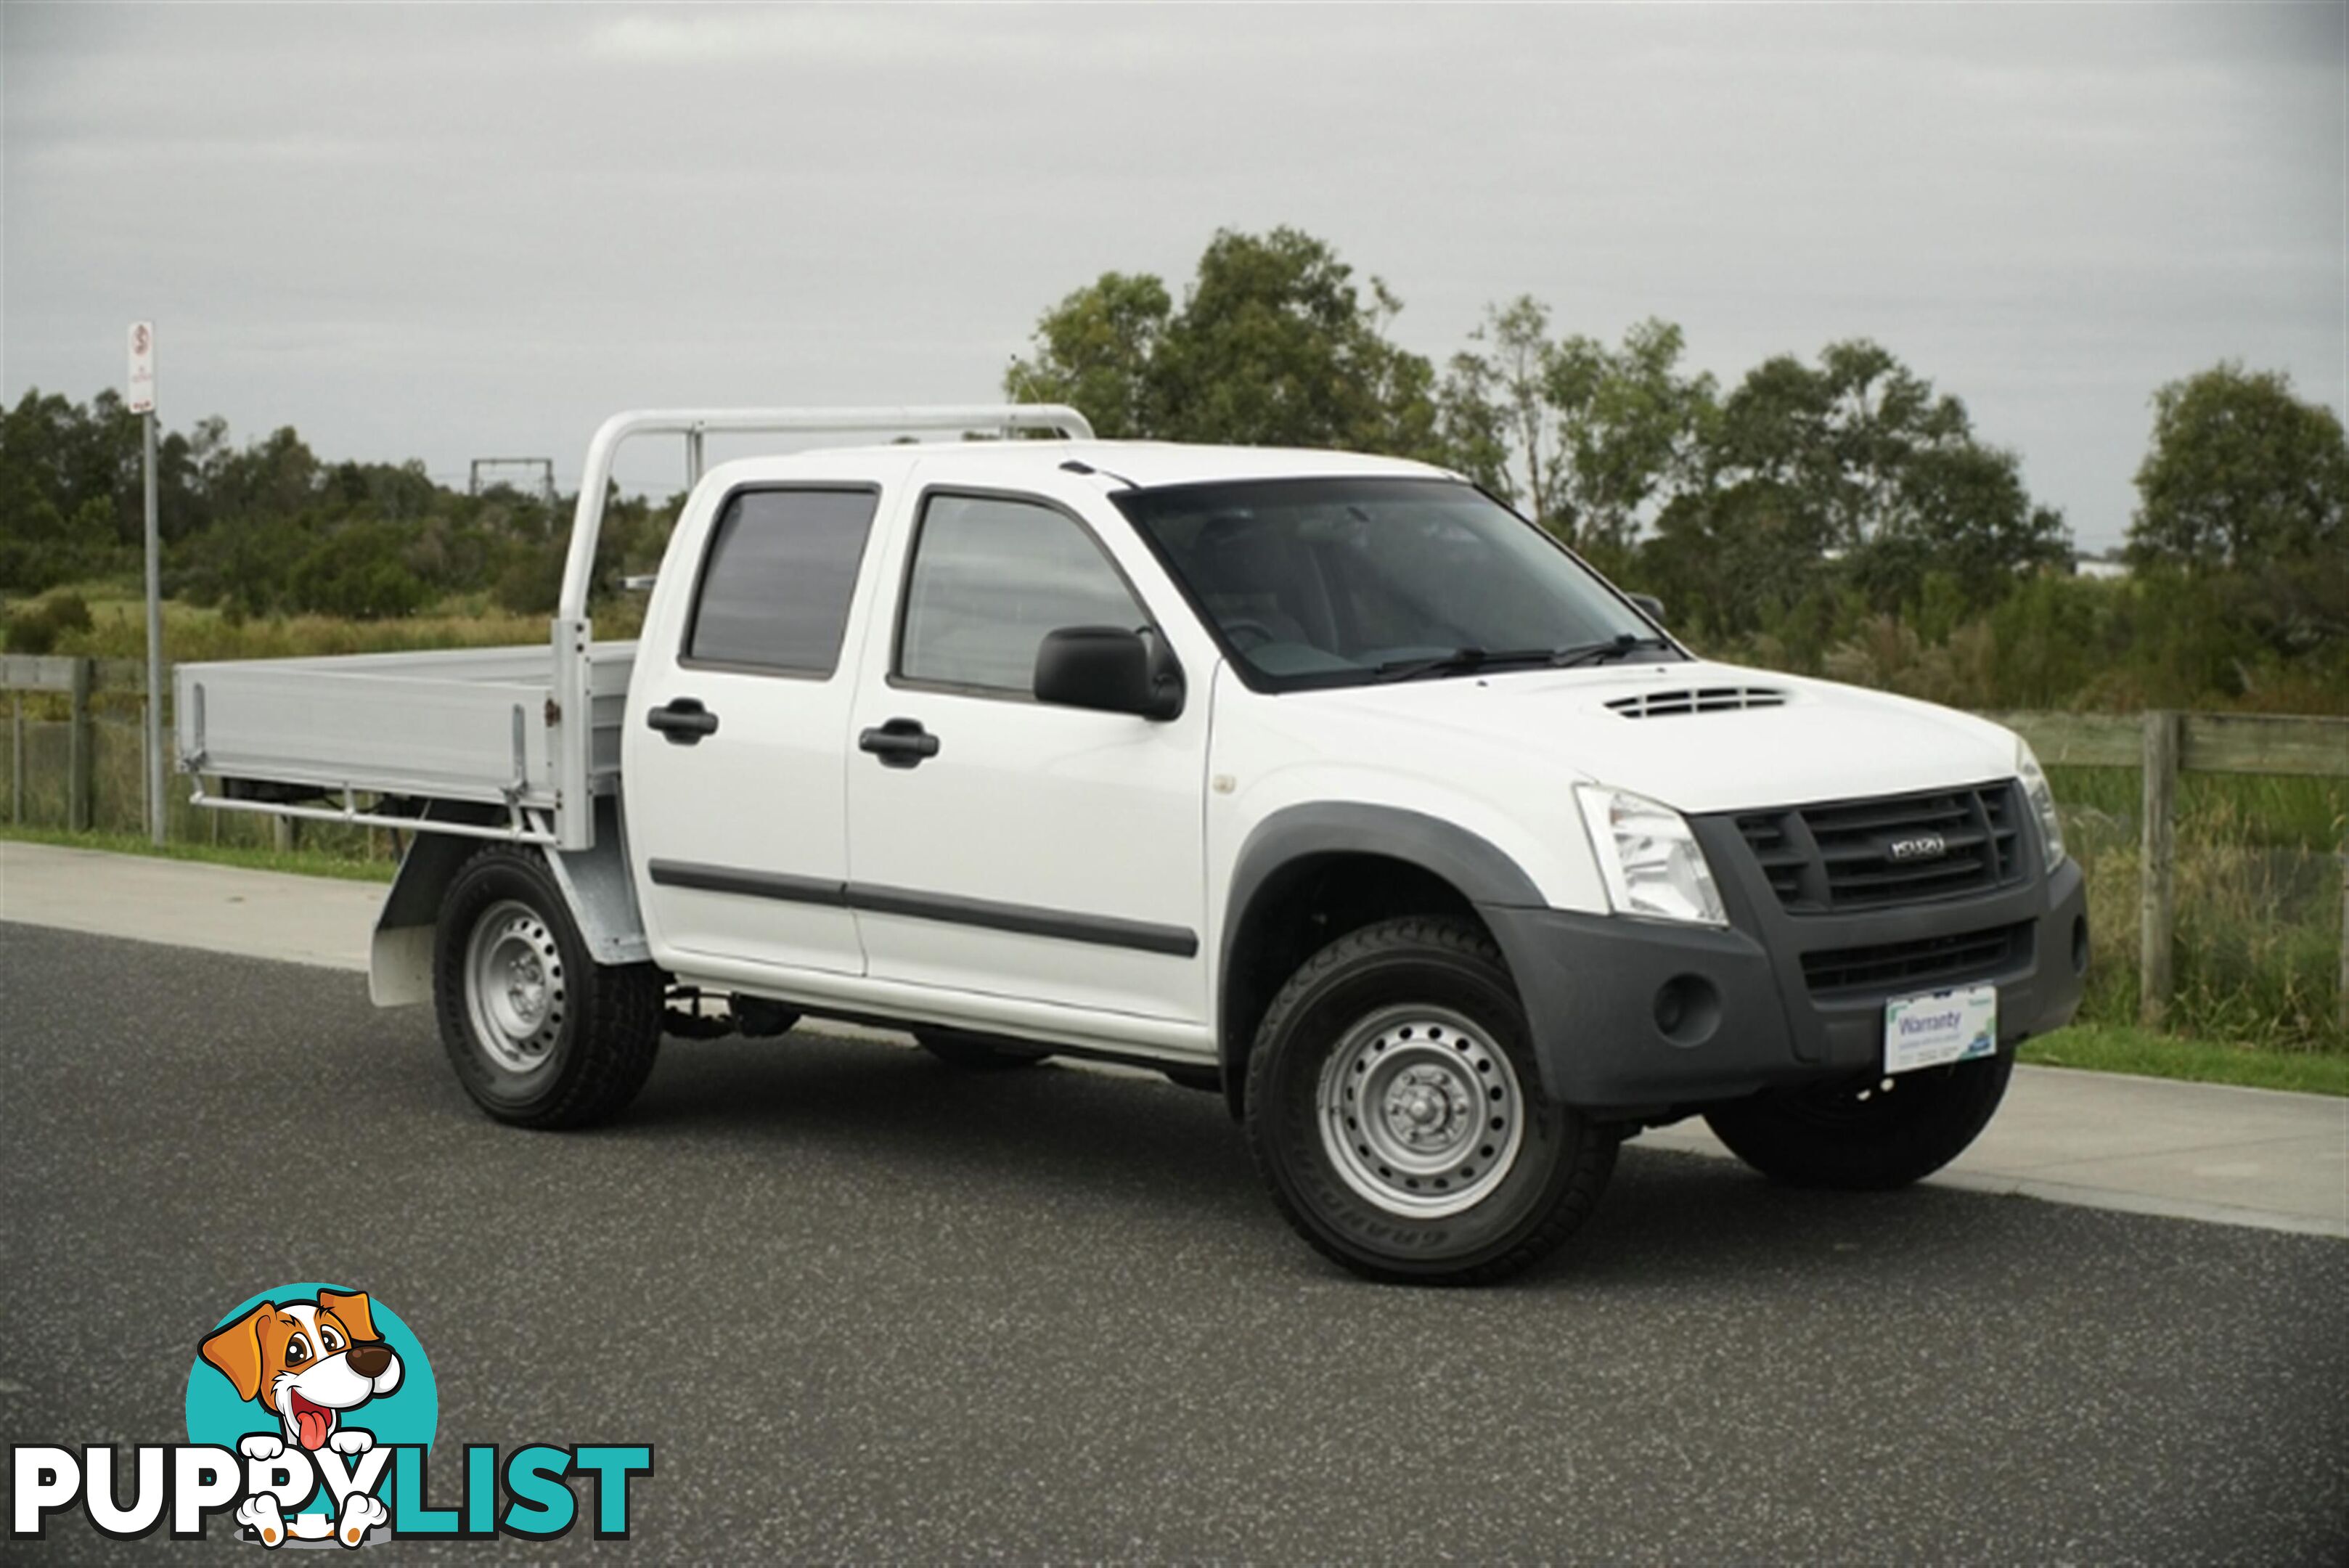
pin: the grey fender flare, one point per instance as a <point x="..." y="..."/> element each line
<point x="1482" y="873"/>
<point x="595" y="882"/>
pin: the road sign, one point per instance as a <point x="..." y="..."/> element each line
<point x="142" y="367"/>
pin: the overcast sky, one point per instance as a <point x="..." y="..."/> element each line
<point x="448" y="233"/>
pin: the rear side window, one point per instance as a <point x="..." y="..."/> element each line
<point x="776" y="583"/>
<point x="990" y="577"/>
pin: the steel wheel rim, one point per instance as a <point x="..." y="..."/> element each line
<point x="1420" y="1114"/>
<point x="515" y="991"/>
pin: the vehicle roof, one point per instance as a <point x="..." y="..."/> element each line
<point x="1147" y="464"/>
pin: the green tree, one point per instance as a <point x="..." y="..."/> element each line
<point x="1094" y="349"/>
<point x="2239" y="473"/>
<point x="357" y="572"/>
<point x="277" y="477"/>
<point x="241" y="564"/>
<point x="1587" y="440"/>
<point x="396" y="491"/>
<point x="1959" y="512"/>
<point x="1275" y="344"/>
<point x="1472" y="426"/>
<point x="1631" y="427"/>
<point x="1496" y="410"/>
<point x="1729" y="561"/>
<point x="68" y="502"/>
<point x="1834" y="436"/>
<point x="1852" y="473"/>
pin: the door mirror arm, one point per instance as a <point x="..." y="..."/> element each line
<point x="1166" y="687"/>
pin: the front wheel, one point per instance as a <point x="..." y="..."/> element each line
<point x="1867" y="1134"/>
<point x="541" y="1035"/>
<point x="1395" y="1111"/>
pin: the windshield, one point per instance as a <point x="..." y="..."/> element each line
<point x="1337" y="582"/>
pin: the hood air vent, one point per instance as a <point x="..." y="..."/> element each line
<point x="1697" y="700"/>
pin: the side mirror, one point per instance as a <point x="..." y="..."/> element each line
<point x="1109" y="669"/>
<point x="1649" y="606"/>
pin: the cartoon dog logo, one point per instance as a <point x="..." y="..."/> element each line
<point x="307" y="1363"/>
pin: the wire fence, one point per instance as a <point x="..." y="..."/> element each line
<point x="104" y="790"/>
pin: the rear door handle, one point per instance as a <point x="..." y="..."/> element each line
<point x="685" y="721"/>
<point x="899" y="744"/>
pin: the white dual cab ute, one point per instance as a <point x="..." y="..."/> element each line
<point x="1322" y="781"/>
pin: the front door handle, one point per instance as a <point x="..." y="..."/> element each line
<point x="899" y="744"/>
<point x="685" y="721"/>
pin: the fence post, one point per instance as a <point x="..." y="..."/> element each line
<point x="2157" y="910"/>
<point x="17" y="755"/>
<point x="287" y="834"/>
<point x="80" y="781"/>
<point x="2341" y="996"/>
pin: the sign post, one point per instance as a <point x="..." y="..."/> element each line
<point x="142" y="403"/>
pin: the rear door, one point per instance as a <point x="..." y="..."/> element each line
<point x="1015" y="848"/>
<point x="739" y="712"/>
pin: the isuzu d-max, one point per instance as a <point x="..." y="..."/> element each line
<point x="1324" y="781"/>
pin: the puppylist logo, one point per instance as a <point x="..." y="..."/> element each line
<point x="311" y="1411"/>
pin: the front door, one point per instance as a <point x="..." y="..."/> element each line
<point x="1002" y="846"/>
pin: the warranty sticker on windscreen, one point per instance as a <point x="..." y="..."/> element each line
<point x="1943" y="1027"/>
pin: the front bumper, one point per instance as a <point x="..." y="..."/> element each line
<point x="1637" y="1017"/>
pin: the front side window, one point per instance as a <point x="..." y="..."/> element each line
<point x="990" y="577"/>
<point x="1339" y="582"/>
<point x="775" y="589"/>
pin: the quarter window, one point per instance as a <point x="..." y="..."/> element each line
<point x="990" y="577"/>
<point x="775" y="589"/>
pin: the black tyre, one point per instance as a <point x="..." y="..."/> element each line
<point x="1395" y="1111"/>
<point x="977" y="1052"/>
<point x="1862" y="1134"/>
<point x="540" y="1034"/>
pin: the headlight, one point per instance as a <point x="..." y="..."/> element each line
<point x="1650" y="859"/>
<point x="2043" y="801"/>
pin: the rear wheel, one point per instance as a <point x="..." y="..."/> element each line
<point x="540" y="1034"/>
<point x="976" y="1053"/>
<point x="1865" y="1134"/>
<point x="1395" y="1111"/>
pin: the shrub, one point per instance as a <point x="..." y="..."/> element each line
<point x="38" y="629"/>
<point x="357" y="571"/>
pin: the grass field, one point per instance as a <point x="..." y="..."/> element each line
<point x="2259" y="903"/>
<point x="304" y="862"/>
<point x="2124" y="1048"/>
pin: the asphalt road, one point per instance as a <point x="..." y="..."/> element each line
<point x="868" y="1308"/>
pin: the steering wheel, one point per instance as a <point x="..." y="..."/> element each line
<point x="1238" y="626"/>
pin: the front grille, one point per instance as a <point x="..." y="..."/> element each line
<point x="1925" y="963"/>
<point x="1898" y="849"/>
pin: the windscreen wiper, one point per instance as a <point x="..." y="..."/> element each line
<point x="1621" y="646"/>
<point x="1461" y="660"/>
